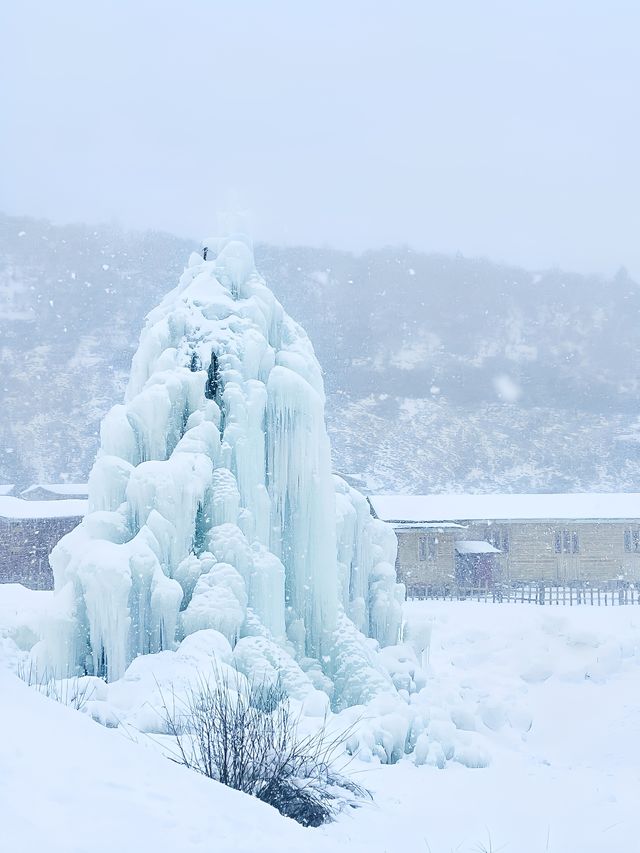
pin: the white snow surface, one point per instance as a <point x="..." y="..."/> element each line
<point x="475" y="546"/>
<point x="71" y="786"/>
<point x="537" y="707"/>
<point x="212" y="505"/>
<point x="550" y="696"/>
<point x="61" y="489"/>
<point x="11" y="507"/>
<point x="453" y="507"/>
<point x="22" y="613"/>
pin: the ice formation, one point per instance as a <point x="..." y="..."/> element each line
<point x="213" y="506"/>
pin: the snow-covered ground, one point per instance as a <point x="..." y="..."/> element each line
<point x="553" y="694"/>
<point x="560" y="688"/>
<point x="68" y="785"/>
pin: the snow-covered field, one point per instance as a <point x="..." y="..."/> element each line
<point x="560" y="689"/>
<point x="552" y="696"/>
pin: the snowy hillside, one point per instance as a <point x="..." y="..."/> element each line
<point x="486" y="376"/>
<point x="71" y="786"/>
<point x="417" y="446"/>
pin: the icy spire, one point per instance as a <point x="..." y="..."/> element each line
<point x="212" y="503"/>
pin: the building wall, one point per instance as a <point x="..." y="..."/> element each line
<point x="531" y="551"/>
<point x="528" y="551"/>
<point x="419" y="566"/>
<point x="25" y="545"/>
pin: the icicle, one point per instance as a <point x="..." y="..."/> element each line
<point x="213" y="505"/>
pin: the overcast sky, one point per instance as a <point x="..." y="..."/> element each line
<point x="506" y="129"/>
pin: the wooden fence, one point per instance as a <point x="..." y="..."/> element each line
<point x="606" y="595"/>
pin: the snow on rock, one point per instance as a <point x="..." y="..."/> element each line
<point x="213" y="509"/>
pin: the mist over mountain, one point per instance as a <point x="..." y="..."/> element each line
<point x="442" y="372"/>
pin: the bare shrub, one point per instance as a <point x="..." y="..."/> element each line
<point x="74" y="691"/>
<point x="247" y="737"/>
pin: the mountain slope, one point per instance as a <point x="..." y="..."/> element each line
<point x="442" y="373"/>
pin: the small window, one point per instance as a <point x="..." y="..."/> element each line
<point x="505" y="542"/>
<point x="433" y="546"/>
<point x="422" y="548"/>
<point x="566" y="542"/>
<point x="428" y="547"/>
<point x="632" y="539"/>
<point x="497" y="539"/>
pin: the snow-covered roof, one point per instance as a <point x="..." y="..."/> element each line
<point x="494" y="507"/>
<point x="420" y="525"/>
<point x="62" y="489"/>
<point x="475" y="546"/>
<point x="17" y="508"/>
<point x="6" y="488"/>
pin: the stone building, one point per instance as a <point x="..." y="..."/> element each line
<point x="28" y="532"/>
<point x="481" y="540"/>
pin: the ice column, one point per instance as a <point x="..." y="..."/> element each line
<point x="212" y="502"/>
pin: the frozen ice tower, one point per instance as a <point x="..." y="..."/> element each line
<point x="213" y="505"/>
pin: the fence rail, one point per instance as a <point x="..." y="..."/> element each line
<point x="571" y="596"/>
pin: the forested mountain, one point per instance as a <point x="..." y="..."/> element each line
<point x="442" y="373"/>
